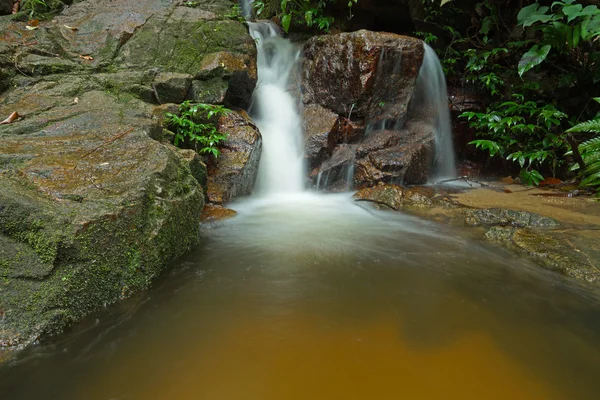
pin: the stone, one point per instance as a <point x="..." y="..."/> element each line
<point x="399" y="198"/>
<point x="403" y="156"/>
<point x="94" y="200"/>
<point x="211" y="91"/>
<point x="335" y="173"/>
<point x="233" y="173"/>
<point x="91" y="210"/>
<point x="318" y="123"/>
<point x="240" y="90"/>
<point x="390" y="196"/>
<point x="172" y="87"/>
<point x="550" y="250"/>
<point x="504" y="217"/>
<point x="214" y="213"/>
<point x="224" y="64"/>
<point x="364" y="74"/>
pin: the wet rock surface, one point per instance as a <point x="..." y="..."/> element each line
<point x="234" y="172"/>
<point x="94" y="201"/>
<point x="368" y="74"/>
<point x="357" y="88"/>
<point x="555" y="246"/>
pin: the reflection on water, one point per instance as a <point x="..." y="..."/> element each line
<point x="316" y="298"/>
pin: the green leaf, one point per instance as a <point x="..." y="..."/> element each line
<point x="572" y="12"/>
<point x="285" y="22"/>
<point x="533" y="57"/>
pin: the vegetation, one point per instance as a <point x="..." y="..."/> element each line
<point x="537" y="63"/>
<point x="310" y="13"/>
<point x="589" y="165"/>
<point x="196" y="125"/>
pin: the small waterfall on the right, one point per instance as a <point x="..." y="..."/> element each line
<point x="431" y="96"/>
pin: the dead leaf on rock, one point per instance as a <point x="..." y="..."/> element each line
<point x="31" y="28"/>
<point x="11" y="118"/>
<point x="73" y="28"/>
<point x="86" y="57"/>
<point x="76" y="100"/>
<point x="34" y="22"/>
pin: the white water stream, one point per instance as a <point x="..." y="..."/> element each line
<point x="431" y="93"/>
<point x="276" y="113"/>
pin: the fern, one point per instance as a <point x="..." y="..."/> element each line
<point x="587" y="126"/>
<point x="590" y="152"/>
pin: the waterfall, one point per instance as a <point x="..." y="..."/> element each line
<point x="246" y="6"/>
<point x="275" y="112"/>
<point x="432" y="95"/>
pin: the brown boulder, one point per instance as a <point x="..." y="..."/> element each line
<point x="233" y="173"/>
<point x="364" y="74"/>
<point x="319" y="122"/>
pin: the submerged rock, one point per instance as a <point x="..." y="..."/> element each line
<point x="528" y="233"/>
<point x="503" y="217"/>
<point x="551" y="250"/>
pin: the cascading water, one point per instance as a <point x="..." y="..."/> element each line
<point x="432" y="95"/>
<point x="275" y="112"/>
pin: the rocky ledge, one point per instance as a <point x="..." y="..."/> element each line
<point x="555" y="245"/>
<point x="94" y="201"/>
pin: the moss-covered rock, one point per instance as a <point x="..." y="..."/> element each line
<point x="92" y="213"/>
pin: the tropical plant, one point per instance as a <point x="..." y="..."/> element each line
<point x="567" y="29"/>
<point x="590" y="154"/>
<point x="196" y="124"/>
<point x="524" y="132"/>
<point x="311" y="13"/>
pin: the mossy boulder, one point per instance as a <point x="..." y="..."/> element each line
<point x="91" y="210"/>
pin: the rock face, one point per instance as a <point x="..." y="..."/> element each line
<point x="357" y="88"/>
<point x="543" y="238"/>
<point x="369" y="74"/>
<point x="234" y="172"/>
<point x="94" y="201"/>
<point x="91" y="209"/>
<point x="147" y="37"/>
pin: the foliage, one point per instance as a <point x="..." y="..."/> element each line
<point x="311" y="13"/>
<point x="236" y="14"/>
<point x="590" y="153"/>
<point x="524" y="132"/>
<point x="536" y="62"/>
<point x="567" y="29"/>
<point x="194" y="125"/>
<point x="35" y="6"/>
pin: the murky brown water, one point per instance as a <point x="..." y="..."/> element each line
<point x="324" y="300"/>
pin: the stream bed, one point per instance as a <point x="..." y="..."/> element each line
<point x="314" y="297"/>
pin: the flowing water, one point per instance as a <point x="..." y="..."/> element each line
<point x="275" y="112"/>
<point x="304" y="296"/>
<point x="312" y="297"/>
<point x="431" y="94"/>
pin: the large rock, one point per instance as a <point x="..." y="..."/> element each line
<point x="234" y="172"/>
<point x="91" y="210"/>
<point x="357" y="88"/>
<point x="148" y="36"/>
<point x="92" y="207"/>
<point x="366" y="74"/>
<point x="319" y="123"/>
